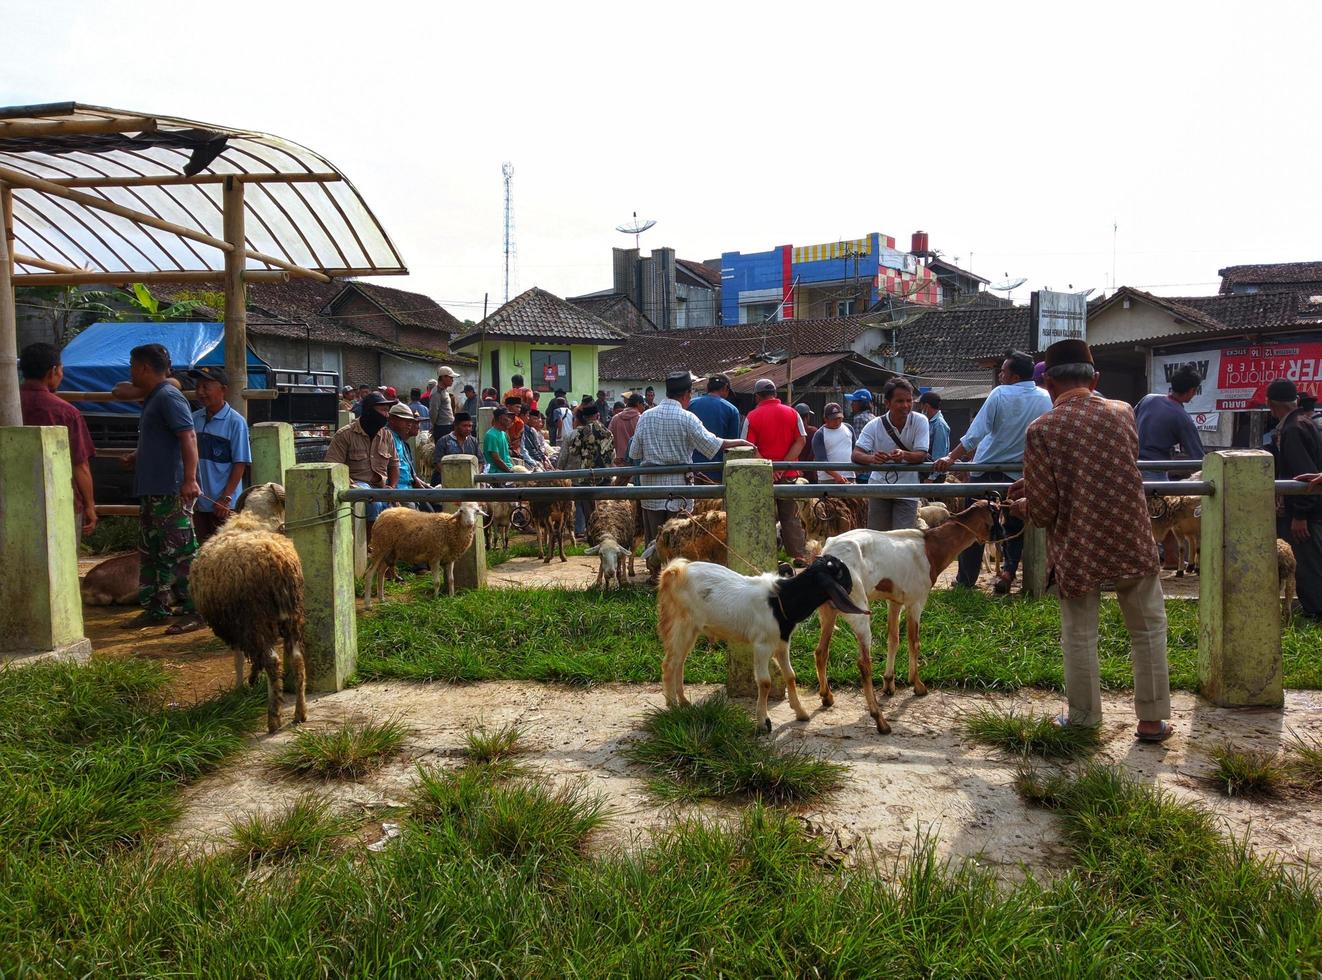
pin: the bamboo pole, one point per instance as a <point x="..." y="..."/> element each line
<point x="29" y="129"/>
<point x="174" y="180"/>
<point x="11" y="411"/>
<point x="236" y="297"/>
<point x="252" y="394"/>
<point x="204" y="276"/>
<point x="32" y="260"/>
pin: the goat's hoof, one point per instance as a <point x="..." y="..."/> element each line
<point x="1180" y="573"/>
<point x="766" y="725"/>
<point x="919" y="688"/>
<point x="883" y="726"/>
<point x="888" y="687"/>
<point x="803" y="716"/>
<point x="828" y="699"/>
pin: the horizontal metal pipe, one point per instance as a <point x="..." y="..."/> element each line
<point x="514" y="494"/>
<point x="1187" y="488"/>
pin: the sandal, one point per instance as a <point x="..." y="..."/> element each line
<point x="187" y="625"/>
<point x="1163" y="733"/>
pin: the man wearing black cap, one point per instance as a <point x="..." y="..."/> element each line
<point x="1298" y="446"/>
<point x="223" y="452"/>
<point x="1098" y="531"/>
<point x="368" y="449"/>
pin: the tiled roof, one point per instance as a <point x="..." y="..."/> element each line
<point x="959" y="339"/>
<point x="1283" y="274"/>
<point x="410" y="309"/>
<point x="538" y="315"/>
<point x="709" y="276"/>
<point x="1250" y="312"/>
<point x="616" y="309"/>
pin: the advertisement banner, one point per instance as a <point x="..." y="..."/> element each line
<point x="1235" y="379"/>
<point x="1057" y="316"/>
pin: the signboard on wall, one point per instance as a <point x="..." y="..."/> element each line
<point x="891" y="258"/>
<point x="1057" y="316"/>
<point x="1235" y="379"/>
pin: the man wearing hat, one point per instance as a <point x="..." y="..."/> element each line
<point x="1298" y="446"/>
<point x="443" y="405"/>
<point x="223" y="452"/>
<point x="776" y="430"/>
<point x="590" y="447"/>
<point x="717" y="414"/>
<point x="669" y="434"/>
<point x="368" y="449"/>
<point x="834" y="443"/>
<point x="404" y="425"/>
<point x="861" y="405"/>
<point x="1098" y="531"/>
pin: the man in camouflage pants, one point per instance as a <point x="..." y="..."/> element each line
<point x="165" y="482"/>
<point x="591" y="447"/>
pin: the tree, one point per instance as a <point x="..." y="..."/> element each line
<point x="69" y="308"/>
<point x="137" y="303"/>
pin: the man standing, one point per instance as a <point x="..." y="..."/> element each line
<point x="496" y="444"/>
<point x="443" y="406"/>
<point x="469" y="406"/>
<point x="809" y="431"/>
<point x="223" y="453"/>
<point x="555" y="411"/>
<point x="1164" y="423"/>
<point x="776" y="431"/>
<point x="718" y="415"/>
<point x="649" y="398"/>
<point x="534" y="443"/>
<point x="861" y="405"/>
<point x="368" y="449"/>
<point x="460" y="441"/>
<point x="165" y="483"/>
<point x="1098" y="531"/>
<point x="898" y="435"/>
<point x="515" y="406"/>
<point x="834" y="443"/>
<point x="938" y="429"/>
<point x="589" y="448"/>
<point x="668" y="435"/>
<point x="996" y="438"/>
<point x="357" y="406"/>
<point x="518" y="390"/>
<point x="1298" y="454"/>
<point x="42" y="374"/>
<point x="622" y="426"/>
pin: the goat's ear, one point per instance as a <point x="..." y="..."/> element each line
<point x="594" y="550"/>
<point x="784" y="569"/>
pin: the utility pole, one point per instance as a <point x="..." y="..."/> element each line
<point x="507" y="171"/>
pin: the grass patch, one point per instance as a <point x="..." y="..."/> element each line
<point x="969" y="640"/>
<point x="347" y="751"/>
<point x="713" y="750"/>
<point x="484" y="746"/>
<point x="1248" y="773"/>
<point x="1305" y="760"/>
<point x="111" y="534"/>
<point x="1027" y="734"/>
<point x="306" y="827"/>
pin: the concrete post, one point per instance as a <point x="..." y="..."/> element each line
<point x="1035" y="560"/>
<point x="272" y="452"/>
<point x="483" y="423"/>
<point x="344" y="419"/>
<point x="359" y="523"/>
<point x="470" y="571"/>
<point x="319" y="527"/>
<point x="751" y="519"/>
<point x="41" y="612"/>
<point x="1239" y="608"/>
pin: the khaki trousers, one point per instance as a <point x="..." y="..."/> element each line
<point x="1144" y="610"/>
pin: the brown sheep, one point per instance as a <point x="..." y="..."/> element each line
<point x="701" y="537"/>
<point x="1181" y="516"/>
<point x="113" y="582"/>
<point x="413" y="537"/>
<point x="552" y="518"/>
<point x="1285" y="568"/>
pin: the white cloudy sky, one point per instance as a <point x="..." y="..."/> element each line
<point x="1016" y="133"/>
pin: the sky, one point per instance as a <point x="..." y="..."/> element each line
<point x="1061" y="142"/>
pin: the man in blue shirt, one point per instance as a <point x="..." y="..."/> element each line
<point x="718" y="416"/>
<point x="1164" y="423"/>
<point x="938" y="429"/>
<point x="223" y="452"/>
<point x="996" y="438"/>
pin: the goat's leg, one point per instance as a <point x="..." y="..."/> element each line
<point x="367" y="584"/>
<point x="782" y="655"/>
<point x="826" y="614"/>
<point x="560" y="541"/>
<point x="913" y="617"/>
<point x="275" y="684"/>
<point x="255" y="665"/>
<point x="678" y="644"/>
<point x="862" y="627"/>
<point x="892" y="645"/>
<point x="762" y="671"/>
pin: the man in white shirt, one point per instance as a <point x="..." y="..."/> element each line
<point x="834" y="443"/>
<point x="898" y="435"/>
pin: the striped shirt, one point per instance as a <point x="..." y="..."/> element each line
<point x="669" y="434"/>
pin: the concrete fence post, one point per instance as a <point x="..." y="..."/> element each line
<point x="272" y="452"/>
<point x="41" y="611"/>
<point x="470" y="570"/>
<point x="344" y="419"/>
<point x="1035" y="560"/>
<point x="320" y="528"/>
<point x="483" y="422"/>
<point x="750" y="512"/>
<point x="1239" y="607"/>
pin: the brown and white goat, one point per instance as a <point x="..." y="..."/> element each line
<point x="553" y="519"/>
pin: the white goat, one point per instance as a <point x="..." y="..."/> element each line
<point x="702" y="599"/>
<point x="900" y="567"/>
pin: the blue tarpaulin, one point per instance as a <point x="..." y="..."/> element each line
<point x="98" y="358"/>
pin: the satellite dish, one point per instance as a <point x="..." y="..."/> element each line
<point x="1085" y="293"/>
<point x="1006" y="285"/>
<point x="635" y="227"/>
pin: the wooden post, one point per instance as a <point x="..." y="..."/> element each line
<point x="272" y="452"/>
<point x="1239" y="606"/>
<point x="11" y="410"/>
<point x="319" y="527"/>
<point x="470" y="571"/>
<point x="750" y="511"/>
<point x="1035" y="560"/>
<point x="236" y="298"/>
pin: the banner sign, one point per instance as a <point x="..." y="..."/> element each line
<point x="1235" y="379"/>
<point x="1057" y="316"/>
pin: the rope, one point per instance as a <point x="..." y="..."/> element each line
<point x="330" y="517"/>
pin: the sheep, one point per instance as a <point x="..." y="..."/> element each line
<point x="701" y="537"/>
<point x="501" y="516"/>
<point x="424" y="455"/>
<point x="1285" y="569"/>
<point x="552" y="518"/>
<point x="113" y="582"/>
<point x="825" y="517"/>
<point x="415" y="537"/>
<point x="900" y="567"/>
<point x="247" y="583"/>
<point x="610" y="534"/>
<point x="702" y="599"/>
<point x="934" y="515"/>
<point x="1182" y="517"/>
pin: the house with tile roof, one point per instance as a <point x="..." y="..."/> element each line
<point x="549" y="341"/>
<point x="618" y="310"/>
<point x="1273" y="277"/>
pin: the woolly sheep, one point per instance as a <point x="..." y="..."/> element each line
<point x="417" y="538"/>
<point x="1285" y="569"/>
<point x="424" y="455"/>
<point x="1182" y="517"/>
<point x="610" y="534"/>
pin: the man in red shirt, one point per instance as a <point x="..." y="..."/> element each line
<point x="42" y="374"/>
<point x="776" y="430"/>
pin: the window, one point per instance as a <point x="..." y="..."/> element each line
<point x="845" y="307"/>
<point x="758" y="312"/>
<point x="550" y="370"/>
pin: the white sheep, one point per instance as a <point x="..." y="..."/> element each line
<point x="416" y="538"/>
<point x="610" y="533"/>
<point x="424" y="455"/>
<point x="702" y="599"/>
<point x="500" y="515"/>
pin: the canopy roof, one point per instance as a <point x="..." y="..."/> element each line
<point x="301" y="214"/>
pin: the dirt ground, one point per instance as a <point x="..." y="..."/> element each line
<point x="924" y="778"/>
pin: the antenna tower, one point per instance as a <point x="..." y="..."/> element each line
<point x="507" y="171"/>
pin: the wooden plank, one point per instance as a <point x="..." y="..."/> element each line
<point x="32" y="260"/>
<point x="147" y="278"/>
<point x="236" y="295"/>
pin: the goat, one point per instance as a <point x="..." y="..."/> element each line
<point x="414" y="537"/>
<point x="1180" y="516"/>
<point x="1285" y="569"/>
<point x="702" y="599"/>
<point x="610" y="534"/>
<point x="900" y="567"/>
<point x="113" y="582"/>
<point x="552" y="518"/>
<point x="501" y="516"/>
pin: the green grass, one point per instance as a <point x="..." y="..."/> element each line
<point x="346" y="751"/>
<point x="483" y="746"/>
<point x="1248" y="773"/>
<point x="1305" y="753"/>
<point x="111" y="534"/>
<point x="969" y="640"/>
<point x="713" y="750"/>
<point x="307" y="826"/>
<point x="1027" y="734"/>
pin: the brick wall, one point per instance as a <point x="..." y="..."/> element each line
<point x="361" y="366"/>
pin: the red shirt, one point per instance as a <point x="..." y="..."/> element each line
<point x="772" y="428"/>
<point x="40" y="407"/>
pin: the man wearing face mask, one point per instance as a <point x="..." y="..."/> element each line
<point x="368" y="449"/>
